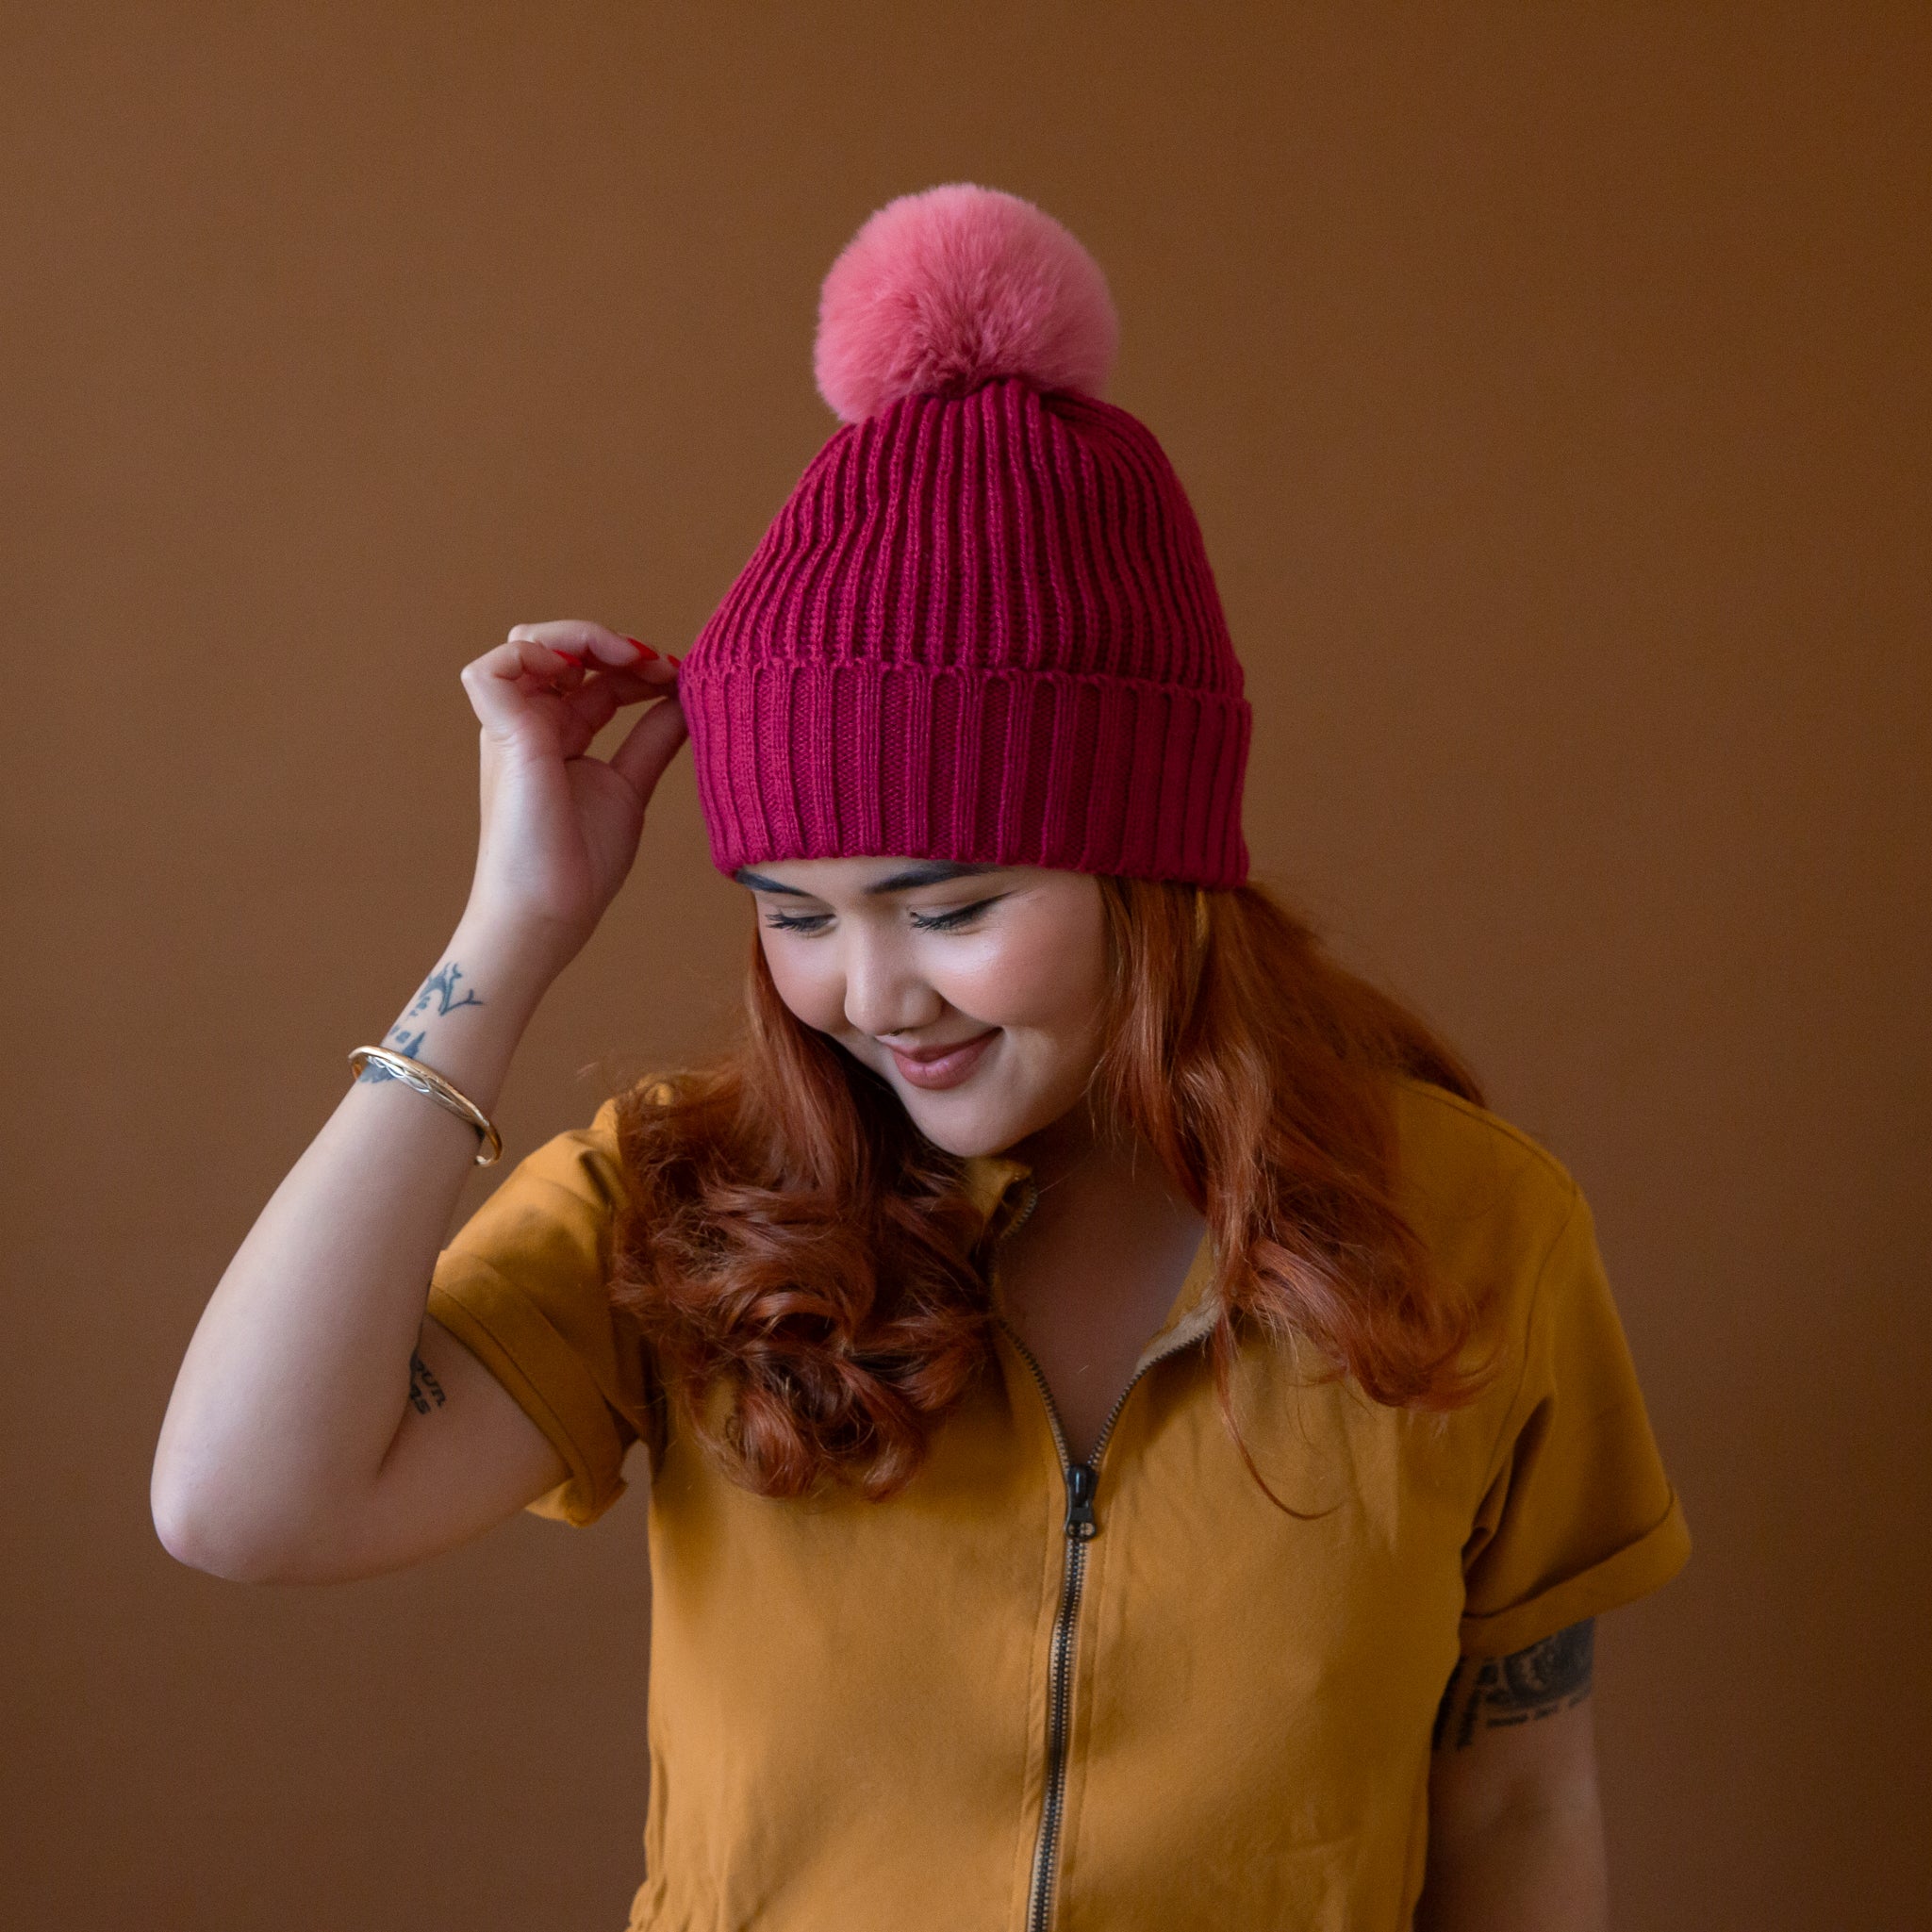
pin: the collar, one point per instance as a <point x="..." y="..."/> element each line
<point x="989" y="1178"/>
<point x="992" y="1184"/>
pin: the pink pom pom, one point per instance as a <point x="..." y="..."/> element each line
<point x="942" y="292"/>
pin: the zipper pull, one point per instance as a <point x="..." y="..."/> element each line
<point x="1081" y="1481"/>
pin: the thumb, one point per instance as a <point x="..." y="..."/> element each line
<point x="650" y="746"/>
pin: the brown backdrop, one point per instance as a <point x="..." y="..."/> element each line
<point x="1552" y="386"/>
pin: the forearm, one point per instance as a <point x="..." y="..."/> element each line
<point x="295" y="1381"/>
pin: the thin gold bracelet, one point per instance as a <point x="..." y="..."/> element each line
<point x="425" y="1079"/>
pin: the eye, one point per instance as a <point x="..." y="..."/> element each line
<point x="952" y="921"/>
<point x="797" y="922"/>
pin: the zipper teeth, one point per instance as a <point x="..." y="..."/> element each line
<point x="1059" y="1673"/>
<point x="1060" y="1663"/>
<point x="1100" y="1449"/>
<point x="1060" y="1658"/>
<point x="1058" y="1697"/>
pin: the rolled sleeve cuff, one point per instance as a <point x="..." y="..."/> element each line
<point x="543" y="1375"/>
<point x="1634" y="1571"/>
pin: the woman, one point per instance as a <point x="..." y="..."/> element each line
<point x="1133" y="1441"/>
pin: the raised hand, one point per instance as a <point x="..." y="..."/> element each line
<point x="559" y="830"/>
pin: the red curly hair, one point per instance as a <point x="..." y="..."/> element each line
<point x="791" y="1240"/>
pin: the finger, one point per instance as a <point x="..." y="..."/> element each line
<point x="591" y="707"/>
<point x="502" y="684"/>
<point x="655" y="678"/>
<point x="526" y="658"/>
<point x="595" y="697"/>
<point x="592" y="698"/>
<point x="584" y="640"/>
<point x="649" y="747"/>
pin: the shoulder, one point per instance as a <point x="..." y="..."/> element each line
<point x="582" y="1169"/>
<point x="591" y="1158"/>
<point x="585" y="1160"/>
<point x="1490" y="1202"/>
<point x="1574" y="1513"/>
<point x="1453" y="1152"/>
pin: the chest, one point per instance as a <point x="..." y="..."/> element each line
<point x="1085" y="1308"/>
<point x="1215" y="1713"/>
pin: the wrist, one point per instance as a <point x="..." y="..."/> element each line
<point x="467" y="1016"/>
<point x="519" y="959"/>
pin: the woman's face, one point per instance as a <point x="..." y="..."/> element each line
<point x="976" y="992"/>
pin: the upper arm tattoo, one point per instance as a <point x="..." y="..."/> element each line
<point x="1489" y="1694"/>
<point x="424" y="1386"/>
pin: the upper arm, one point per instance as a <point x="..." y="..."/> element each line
<point x="465" y="1456"/>
<point x="1515" y="1829"/>
<point x="1515" y="1731"/>
<point x="524" y="1388"/>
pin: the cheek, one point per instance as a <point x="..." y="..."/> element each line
<point x="805" y="984"/>
<point x="1042" y="975"/>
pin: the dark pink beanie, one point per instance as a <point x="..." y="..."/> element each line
<point x="983" y="626"/>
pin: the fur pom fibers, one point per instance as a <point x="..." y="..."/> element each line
<point x="942" y="292"/>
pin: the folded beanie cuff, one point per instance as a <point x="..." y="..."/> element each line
<point x="996" y="765"/>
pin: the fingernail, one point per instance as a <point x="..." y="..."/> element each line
<point x="641" y="646"/>
<point x="569" y="657"/>
<point x="672" y="657"/>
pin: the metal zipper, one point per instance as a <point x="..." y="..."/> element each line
<point x="1082" y="1526"/>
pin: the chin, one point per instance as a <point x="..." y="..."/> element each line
<point x="958" y="1131"/>
<point x="972" y="1123"/>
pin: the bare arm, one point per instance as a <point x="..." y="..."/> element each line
<point x="322" y="1426"/>
<point x="1515" y="1832"/>
<point x="297" y="1381"/>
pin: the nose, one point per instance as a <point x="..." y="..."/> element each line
<point x="885" y="993"/>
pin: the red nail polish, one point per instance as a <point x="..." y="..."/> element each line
<point x="672" y="658"/>
<point x="641" y="646"/>
<point x="569" y="657"/>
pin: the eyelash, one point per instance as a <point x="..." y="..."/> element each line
<point x="938" y="922"/>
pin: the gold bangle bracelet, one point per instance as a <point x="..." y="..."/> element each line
<point x="425" y="1079"/>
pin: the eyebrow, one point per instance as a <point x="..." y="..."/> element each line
<point x="928" y="872"/>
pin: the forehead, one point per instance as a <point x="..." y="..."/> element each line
<point x="862" y="878"/>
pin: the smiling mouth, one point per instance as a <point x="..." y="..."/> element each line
<point x="944" y="1067"/>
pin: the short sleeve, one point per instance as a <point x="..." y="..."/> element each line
<point x="524" y="1286"/>
<point x="1578" y="1515"/>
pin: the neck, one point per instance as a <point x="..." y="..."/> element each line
<point x="1076" y="1165"/>
<point x="1062" y="1148"/>
<point x="1105" y="1214"/>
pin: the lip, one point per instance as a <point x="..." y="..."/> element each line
<point x="947" y="1068"/>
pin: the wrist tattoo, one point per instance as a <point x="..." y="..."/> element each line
<point x="424" y="1386"/>
<point x="441" y="987"/>
<point x="1488" y="1694"/>
<point x="437" y="997"/>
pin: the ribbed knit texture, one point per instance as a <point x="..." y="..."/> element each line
<point x="981" y="628"/>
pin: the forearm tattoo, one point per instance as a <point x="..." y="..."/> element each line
<point x="437" y="996"/>
<point x="1489" y="1693"/>
<point x="424" y="1386"/>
